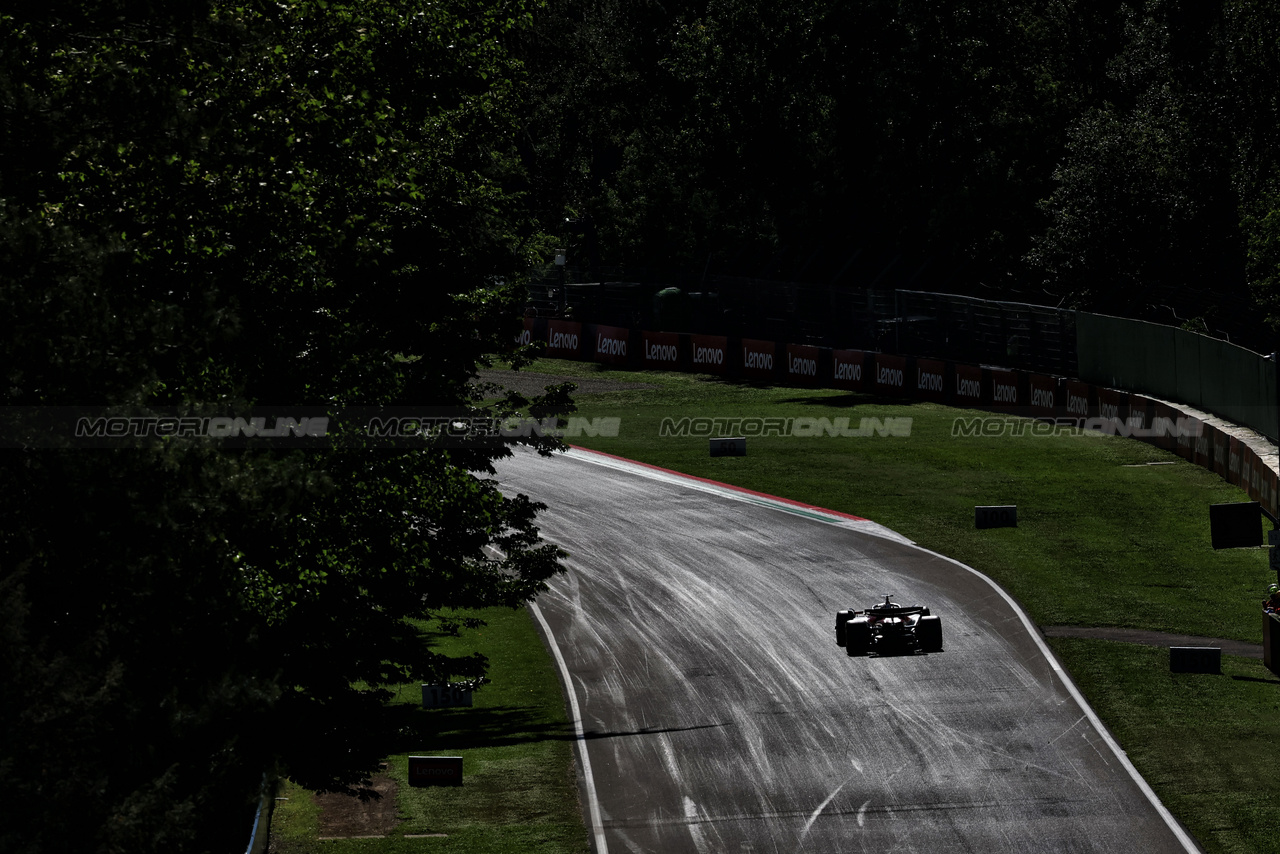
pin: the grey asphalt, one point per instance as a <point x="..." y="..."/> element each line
<point x="719" y="715"/>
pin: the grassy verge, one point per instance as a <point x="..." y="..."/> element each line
<point x="1112" y="532"/>
<point x="518" y="793"/>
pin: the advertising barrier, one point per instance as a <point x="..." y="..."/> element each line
<point x="967" y="385"/>
<point x="1266" y="487"/>
<point x="1203" y="446"/>
<point x="1113" y="405"/>
<point x="759" y="359"/>
<point x="564" y="339"/>
<point x="1221" y="452"/>
<point x="890" y="376"/>
<point x="1264" y="484"/>
<point x="528" y="331"/>
<point x="609" y="344"/>
<point x="709" y="354"/>
<point x="1250" y="473"/>
<point x="1005" y="389"/>
<point x="1139" y="417"/>
<point x="849" y="369"/>
<point x="929" y="380"/>
<point x="1078" y="399"/>
<point x="802" y="364"/>
<point x="1043" y="393"/>
<point x="1164" y="426"/>
<point x="660" y="351"/>
<point x="1188" y="430"/>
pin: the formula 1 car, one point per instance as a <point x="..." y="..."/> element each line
<point x="889" y="627"/>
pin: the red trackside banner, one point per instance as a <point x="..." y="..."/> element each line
<point x="1044" y="395"/>
<point x="611" y="344"/>
<point x="848" y="369"/>
<point x="709" y="353"/>
<point x="759" y="359"/>
<point x="1077" y="399"/>
<point x="564" y="339"/>
<point x="659" y="350"/>
<point x="1004" y="389"/>
<point x="968" y="385"/>
<point x="928" y="380"/>
<point x="890" y="374"/>
<point x="802" y="364"/>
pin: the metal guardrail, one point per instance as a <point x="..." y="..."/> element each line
<point x="977" y="331"/>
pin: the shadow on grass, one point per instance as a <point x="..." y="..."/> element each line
<point x="838" y="400"/>
<point x="1256" y="679"/>
<point x="851" y="400"/>
<point x="404" y="728"/>
<point x="407" y="728"/>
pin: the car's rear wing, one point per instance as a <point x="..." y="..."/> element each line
<point x="897" y="611"/>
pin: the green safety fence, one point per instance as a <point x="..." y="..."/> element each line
<point x="1177" y="365"/>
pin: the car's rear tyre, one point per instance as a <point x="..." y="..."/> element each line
<point x="857" y="636"/>
<point x="842" y="617"/>
<point x="929" y="634"/>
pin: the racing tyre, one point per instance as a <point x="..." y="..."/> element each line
<point x="842" y="617"/>
<point x="929" y="634"/>
<point x="857" y="636"/>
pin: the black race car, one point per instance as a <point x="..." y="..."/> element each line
<point x="887" y="628"/>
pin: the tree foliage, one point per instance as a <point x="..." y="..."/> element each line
<point x="207" y="208"/>
<point x="762" y="133"/>
<point x="1115" y="155"/>
<point x="1144" y="218"/>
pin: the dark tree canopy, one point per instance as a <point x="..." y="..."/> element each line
<point x="1114" y="155"/>
<point x="206" y="208"/>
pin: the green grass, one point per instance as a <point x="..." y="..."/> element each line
<point x="1111" y="532"/>
<point x="518" y="793"/>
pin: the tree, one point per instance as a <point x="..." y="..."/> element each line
<point x="1145" y="217"/>
<point x="210" y="208"/>
<point x="1252" y="61"/>
<point x="779" y="137"/>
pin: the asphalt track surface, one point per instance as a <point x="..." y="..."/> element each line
<point x="717" y="714"/>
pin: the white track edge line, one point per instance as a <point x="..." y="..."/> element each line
<point x="589" y="783"/>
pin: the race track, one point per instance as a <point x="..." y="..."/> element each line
<point x="719" y="715"/>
